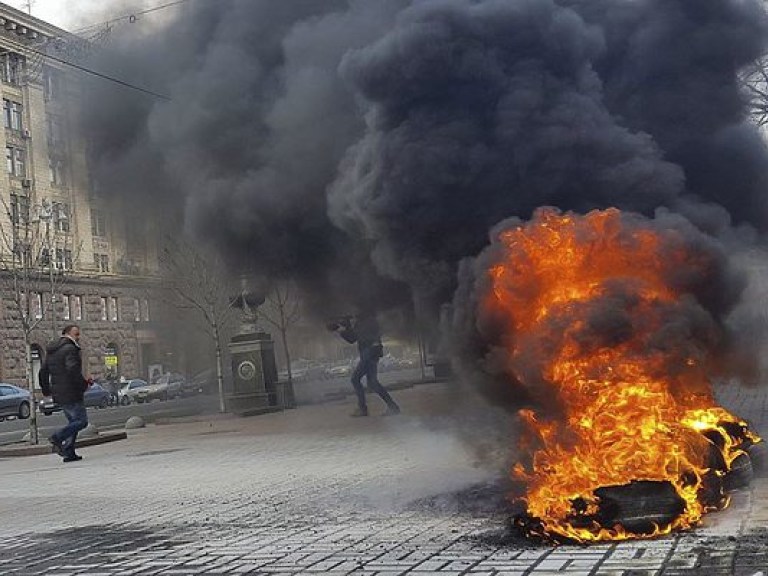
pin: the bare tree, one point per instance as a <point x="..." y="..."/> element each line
<point x="34" y="262"/>
<point x="282" y="310"/>
<point x="200" y="284"/>
<point x="754" y="82"/>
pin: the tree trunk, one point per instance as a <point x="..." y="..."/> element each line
<point x="284" y="337"/>
<point x="219" y="369"/>
<point x="33" y="433"/>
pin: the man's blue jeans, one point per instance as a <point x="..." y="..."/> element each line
<point x="368" y="366"/>
<point x="77" y="417"/>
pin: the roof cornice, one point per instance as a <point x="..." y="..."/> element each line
<point x="31" y="29"/>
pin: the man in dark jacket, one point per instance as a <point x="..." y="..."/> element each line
<point x="364" y="329"/>
<point x="65" y="367"/>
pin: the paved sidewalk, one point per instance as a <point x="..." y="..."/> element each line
<point x="314" y="491"/>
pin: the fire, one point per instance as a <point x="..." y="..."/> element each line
<point x="587" y="303"/>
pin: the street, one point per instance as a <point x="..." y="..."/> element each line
<point x="306" y="392"/>
<point x="313" y="491"/>
<point x="12" y="430"/>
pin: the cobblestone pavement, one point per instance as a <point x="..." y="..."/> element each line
<point x="312" y="491"/>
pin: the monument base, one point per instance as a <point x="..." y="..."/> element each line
<point x="254" y="386"/>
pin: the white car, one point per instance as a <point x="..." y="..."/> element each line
<point x="339" y="370"/>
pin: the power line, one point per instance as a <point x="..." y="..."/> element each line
<point x="101" y="75"/>
<point x="92" y="72"/>
<point x="130" y="17"/>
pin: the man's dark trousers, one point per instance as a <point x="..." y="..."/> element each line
<point x="368" y="366"/>
<point x="77" y="416"/>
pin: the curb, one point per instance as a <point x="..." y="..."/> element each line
<point x="40" y="449"/>
<point x="395" y="386"/>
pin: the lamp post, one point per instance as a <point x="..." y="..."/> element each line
<point x="45" y="213"/>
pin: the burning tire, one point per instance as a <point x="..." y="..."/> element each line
<point x="640" y="507"/>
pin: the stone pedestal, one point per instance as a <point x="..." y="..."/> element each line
<point x="254" y="371"/>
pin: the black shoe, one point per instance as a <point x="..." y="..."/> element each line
<point x="359" y="413"/>
<point x="392" y="411"/>
<point x="57" y="445"/>
<point x="73" y="458"/>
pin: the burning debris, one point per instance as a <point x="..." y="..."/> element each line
<point x="607" y="321"/>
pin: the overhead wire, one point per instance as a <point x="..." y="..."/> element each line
<point x="23" y="47"/>
<point x="101" y="75"/>
<point x="130" y="17"/>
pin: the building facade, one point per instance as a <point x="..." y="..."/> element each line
<point x="60" y="242"/>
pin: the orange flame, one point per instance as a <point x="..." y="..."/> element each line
<point x="628" y="409"/>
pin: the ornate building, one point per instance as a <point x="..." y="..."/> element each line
<point x="65" y="256"/>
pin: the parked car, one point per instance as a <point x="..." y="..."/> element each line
<point x="339" y="370"/>
<point x="95" y="397"/>
<point x="137" y="390"/>
<point x="14" y="401"/>
<point x="169" y="385"/>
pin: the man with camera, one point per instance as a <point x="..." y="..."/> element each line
<point x="364" y="330"/>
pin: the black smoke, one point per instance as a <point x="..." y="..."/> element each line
<point x="347" y="142"/>
<point x="257" y="122"/>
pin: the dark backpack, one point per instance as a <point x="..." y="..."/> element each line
<point x="44" y="378"/>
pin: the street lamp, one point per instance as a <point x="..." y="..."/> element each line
<point x="45" y="214"/>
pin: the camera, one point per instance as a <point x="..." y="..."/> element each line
<point x="339" y="322"/>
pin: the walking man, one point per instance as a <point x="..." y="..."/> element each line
<point x="64" y="364"/>
<point x="364" y="329"/>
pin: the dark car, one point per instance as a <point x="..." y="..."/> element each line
<point x="95" y="397"/>
<point x="14" y="401"/>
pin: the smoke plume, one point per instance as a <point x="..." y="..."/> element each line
<point x="343" y="143"/>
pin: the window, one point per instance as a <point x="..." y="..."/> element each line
<point x="136" y="310"/>
<point x="52" y="83"/>
<point x="63" y="259"/>
<point x="16" y="161"/>
<point x="145" y="310"/>
<point x="61" y="216"/>
<point x="55" y="131"/>
<point x="57" y="172"/>
<point x="101" y="262"/>
<point x="12" y="115"/>
<point x="22" y="253"/>
<point x="11" y="67"/>
<point x="103" y="303"/>
<point x="76" y="307"/>
<point x="67" y="300"/>
<point x="36" y="305"/>
<point x="17" y="122"/>
<point x="113" y="309"/>
<point x="98" y="223"/>
<point x="19" y="208"/>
